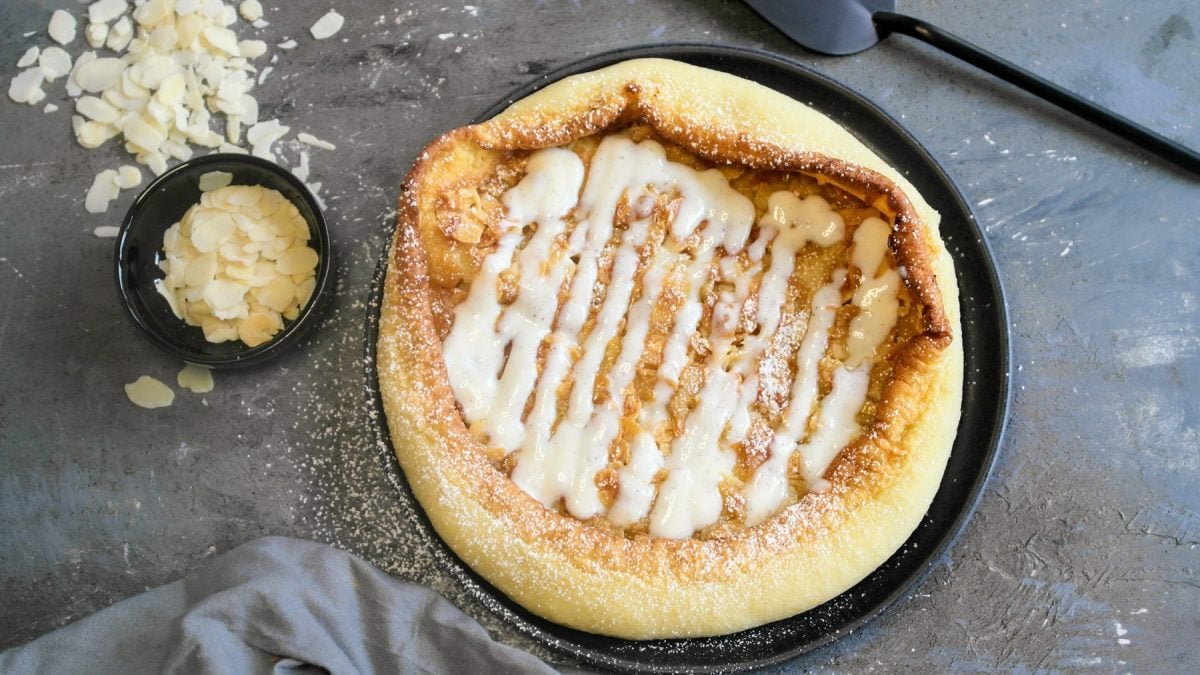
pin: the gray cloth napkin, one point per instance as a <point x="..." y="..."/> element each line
<point x="276" y="605"/>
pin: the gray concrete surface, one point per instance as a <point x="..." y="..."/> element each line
<point x="1083" y="554"/>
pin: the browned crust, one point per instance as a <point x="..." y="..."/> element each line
<point x="408" y="343"/>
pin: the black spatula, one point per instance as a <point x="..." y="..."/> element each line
<point x="839" y="27"/>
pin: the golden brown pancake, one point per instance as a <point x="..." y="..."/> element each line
<point x="665" y="353"/>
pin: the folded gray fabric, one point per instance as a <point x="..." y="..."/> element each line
<point x="276" y="605"/>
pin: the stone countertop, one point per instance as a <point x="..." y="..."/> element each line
<point x="1083" y="552"/>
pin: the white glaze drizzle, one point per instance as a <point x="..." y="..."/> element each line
<point x="876" y="296"/>
<point x="836" y="423"/>
<point x="558" y="459"/>
<point x="768" y="487"/>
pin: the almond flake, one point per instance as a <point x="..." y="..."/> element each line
<point x="26" y="86"/>
<point x="251" y="10"/>
<point x="96" y="34"/>
<point x="128" y="176"/>
<point x="62" y="27"/>
<point x="214" y="180"/>
<point x="197" y="379"/>
<point x="99" y="74"/>
<point x="106" y="10"/>
<point x="29" y="58"/>
<point x="120" y="35"/>
<point x="54" y="63"/>
<point x="309" y="139"/>
<point x="97" y="109"/>
<point x="104" y="189"/>
<point x="148" y="392"/>
<point x="327" y="26"/>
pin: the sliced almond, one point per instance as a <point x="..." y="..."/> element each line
<point x="30" y="57"/>
<point x="298" y="259"/>
<point x="104" y="190"/>
<point x="128" y="176"/>
<point x="169" y="296"/>
<point x="209" y="233"/>
<point x="62" y="27"/>
<point x="277" y="295"/>
<point x="309" y="139"/>
<point x="327" y="26"/>
<point x="259" y="328"/>
<point x="99" y="74"/>
<point x="251" y="10"/>
<point x="97" y="109"/>
<point x="119" y="35"/>
<point x="148" y="392"/>
<point x="54" y="63"/>
<point x="196" y="379"/>
<point x="221" y="38"/>
<point x="96" y="34"/>
<point x="104" y="11"/>
<point x="214" y="180"/>
<point x="216" y="330"/>
<point x="26" y="86"/>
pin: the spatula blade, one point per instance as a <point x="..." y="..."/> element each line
<point x="834" y="27"/>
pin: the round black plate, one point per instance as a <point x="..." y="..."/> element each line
<point x="985" y="399"/>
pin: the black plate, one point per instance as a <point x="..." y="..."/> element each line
<point x="985" y="399"/>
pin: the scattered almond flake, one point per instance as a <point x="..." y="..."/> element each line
<point x="104" y="11"/>
<point x="252" y="49"/>
<point x="171" y="69"/>
<point x="120" y="35"/>
<point x="287" y="44"/>
<point x="106" y="231"/>
<point x="315" y="189"/>
<point x="73" y="88"/>
<point x="262" y="135"/>
<point x="445" y="36"/>
<point x="260" y="24"/>
<point x="222" y="39"/>
<point x="26" y="86"/>
<point x="104" y="189"/>
<point x="96" y="34"/>
<point x="128" y="176"/>
<point x="215" y="180"/>
<point x="29" y="58"/>
<point x="148" y="392"/>
<point x="251" y="10"/>
<point x="91" y="134"/>
<point x="99" y="74"/>
<point x="301" y="171"/>
<point x="249" y="114"/>
<point x="196" y="379"/>
<point x="309" y="139"/>
<point x="144" y="132"/>
<point x="327" y="26"/>
<point x="97" y="109"/>
<point x="62" y="27"/>
<point x="54" y="63"/>
<point x="156" y="162"/>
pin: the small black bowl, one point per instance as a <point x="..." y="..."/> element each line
<point x="139" y="250"/>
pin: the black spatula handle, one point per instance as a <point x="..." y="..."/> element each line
<point x="889" y="22"/>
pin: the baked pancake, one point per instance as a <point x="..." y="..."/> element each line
<point x="664" y="353"/>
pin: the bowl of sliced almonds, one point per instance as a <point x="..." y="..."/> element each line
<point x="224" y="260"/>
